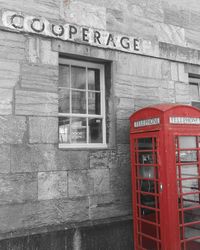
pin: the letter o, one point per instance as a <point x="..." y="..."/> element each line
<point x="35" y="28"/>
<point x="57" y="30"/>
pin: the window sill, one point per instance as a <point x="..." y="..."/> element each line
<point x="82" y="146"/>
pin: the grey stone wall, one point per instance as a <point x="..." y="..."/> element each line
<point x="41" y="185"/>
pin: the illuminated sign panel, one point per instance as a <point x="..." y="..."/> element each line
<point x="184" y="120"/>
<point x="147" y="122"/>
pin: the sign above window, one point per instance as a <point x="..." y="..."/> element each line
<point x="70" y="32"/>
<point x="184" y="120"/>
<point x="147" y="122"/>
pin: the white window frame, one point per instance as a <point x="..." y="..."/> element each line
<point x="71" y="62"/>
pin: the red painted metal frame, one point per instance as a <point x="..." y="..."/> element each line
<point x="166" y="229"/>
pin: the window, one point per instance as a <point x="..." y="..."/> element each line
<point x="81" y="104"/>
<point x="194" y="87"/>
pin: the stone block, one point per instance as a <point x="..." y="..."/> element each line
<point x="192" y="69"/>
<point x="39" y="51"/>
<point x="12" y="46"/>
<point x="98" y="159"/>
<point x="183" y="76"/>
<point x="123" y="130"/>
<point x="52" y="185"/>
<point x="99" y="181"/>
<point x="109" y="205"/>
<point x="12" y="129"/>
<point x="72" y="160"/>
<point x="47" y="55"/>
<point x="5" y="158"/>
<point x="9" y="73"/>
<point x="170" y="34"/>
<point x="43" y="213"/>
<point x="174" y="71"/>
<point x="36" y="103"/>
<point x="33" y="158"/>
<point x="16" y="188"/>
<point x="78" y="183"/>
<point x="43" y="130"/>
<point x="85" y="14"/>
<point x="192" y="38"/>
<point x="6" y="97"/>
<point x="125" y="107"/>
<point x="39" y="77"/>
<point x="120" y="179"/>
<point x="182" y="92"/>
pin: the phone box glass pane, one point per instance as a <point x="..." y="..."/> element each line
<point x="187" y="142"/>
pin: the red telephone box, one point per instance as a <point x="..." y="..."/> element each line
<point x="165" y="158"/>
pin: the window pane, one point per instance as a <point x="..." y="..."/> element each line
<point x="187" y="156"/>
<point x="64" y="130"/>
<point x="95" y="130"/>
<point x="78" y="130"/>
<point x="187" y="142"/>
<point x="64" y="100"/>
<point x="79" y="102"/>
<point x="93" y="79"/>
<point x="145" y="144"/>
<point x="94" y="103"/>
<point x="78" y="77"/>
<point x="64" y="76"/>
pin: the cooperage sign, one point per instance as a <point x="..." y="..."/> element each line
<point x="69" y="32"/>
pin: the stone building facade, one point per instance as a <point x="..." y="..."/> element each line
<point x="71" y="195"/>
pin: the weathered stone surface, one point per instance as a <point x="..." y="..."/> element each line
<point x="5" y="158"/>
<point x="16" y="188"/>
<point x="6" y="96"/>
<point x="43" y="130"/>
<point x="46" y="8"/>
<point x="183" y="76"/>
<point x="12" y="46"/>
<point x="174" y="71"/>
<point x="151" y="67"/>
<point x="192" y="38"/>
<point x="99" y="159"/>
<point x="52" y="185"/>
<point x="9" y="73"/>
<point x="109" y="205"/>
<point x="36" y="103"/>
<point x="78" y="183"/>
<point x="99" y="181"/>
<point x="33" y="158"/>
<point x="167" y="92"/>
<point x="120" y="179"/>
<point x="125" y="107"/>
<point x="43" y="213"/>
<point x="12" y="129"/>
<point x="39" y="76"/>
<point x="85" y="14"/>
<point x="39" y="51"/>
<point x="192" y="69"/>
<point x="182" y="92"/>
<point x="170" y="34"/>
<point x="123" y="131"/>
<point x="67" y="160"/>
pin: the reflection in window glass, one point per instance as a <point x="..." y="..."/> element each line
<point x="145" y="157"/>
<point x="187" y="156"/>
<point x="64" y="76"/>
<point x="94" y="103"/>
<point x="190" y="185"/>
<point x="78" y="130"/>
<point x="79" y="102"/>
<point x="93" y="79"/>
<point x="78" y="77"/>
<point x="191" y="215"/>
<point x="145" y="144"/>
<point x="188" y="171"/>
<point x="64" y="100"/>
<point x="95" y="130"/>
<point x="147" y="172"/>
<point x="191" y="200"/>
<point x="64" y="130"/>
